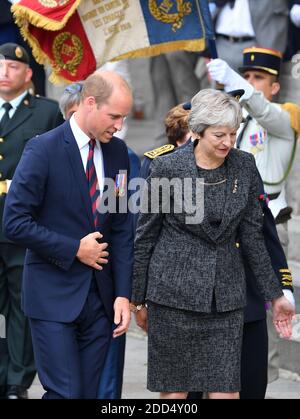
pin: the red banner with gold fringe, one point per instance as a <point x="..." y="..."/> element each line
<point x="56" y="35"/>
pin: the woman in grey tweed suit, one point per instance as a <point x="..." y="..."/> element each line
<point x="192" y="275"/>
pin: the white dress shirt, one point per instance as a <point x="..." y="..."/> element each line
<point x="82" y="141"/>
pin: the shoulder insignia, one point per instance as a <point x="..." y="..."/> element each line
<point x="294" y="112"/>
<point x="167" y="148"/>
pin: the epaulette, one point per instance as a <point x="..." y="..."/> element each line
<point x="167" y="148"/>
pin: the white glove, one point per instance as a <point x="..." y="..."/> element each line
<point x="220" y="71"/>
<point x="295" y="15"/>
<point x="213" y="9"/>
<point x="290" y="297"/>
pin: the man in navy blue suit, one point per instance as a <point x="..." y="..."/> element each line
<point x="78" y="265"/>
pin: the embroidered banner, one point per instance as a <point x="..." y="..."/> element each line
<point x="97" y="31"/>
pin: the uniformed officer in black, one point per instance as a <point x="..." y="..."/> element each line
<point x="22" y="116"/>
<point x="254" y="359"/>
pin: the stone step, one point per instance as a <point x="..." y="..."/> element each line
<point x="286" y="387"/>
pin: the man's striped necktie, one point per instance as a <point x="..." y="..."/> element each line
<point x="91" y="176"/>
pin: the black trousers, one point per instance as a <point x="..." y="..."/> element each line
<point x="16" y="353"/>
<point x="254" y="363"/>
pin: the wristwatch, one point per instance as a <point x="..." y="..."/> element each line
<point x="134" y="308"/>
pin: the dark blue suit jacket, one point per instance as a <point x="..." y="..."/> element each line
<point x="48" y="210"/>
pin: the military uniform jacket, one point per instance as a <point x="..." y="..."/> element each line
<point x="35" y="115"/>
<point x="269" y="137"/>
<point x="176" y="262"/>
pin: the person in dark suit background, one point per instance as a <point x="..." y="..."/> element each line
<point x="254" y="359"/>
<point x="22" y="116"/>
<point x="72" y="289"/>
<point x="293" y="44"/>
<point x="184" y="297"/>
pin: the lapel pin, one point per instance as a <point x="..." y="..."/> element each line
<point x="235" y="186"/>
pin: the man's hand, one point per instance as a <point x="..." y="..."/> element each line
<point x="91" y="252"/>
<point x="141" y="318"/>
<point x="283" y="313"/>
<point x="220" y="72"/>
<point x="122" y="316"/>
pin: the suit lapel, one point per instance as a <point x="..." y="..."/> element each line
<point x="23" y="112"/>
<point x="78" y="170"/>
<point x="234" y="191"/>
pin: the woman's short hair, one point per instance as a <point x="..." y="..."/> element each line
<point x="214" y="108"/>
<point x="71" y="96"/>
<point x="176" y="124"/>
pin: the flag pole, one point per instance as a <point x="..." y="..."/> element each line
<point x="211" y="42"/>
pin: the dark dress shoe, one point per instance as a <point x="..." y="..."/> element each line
<point x="16" y="392"/>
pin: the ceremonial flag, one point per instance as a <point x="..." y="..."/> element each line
<point x="97" y="31"/>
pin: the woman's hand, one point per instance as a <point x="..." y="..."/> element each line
<point x="141" y="318"/>
<point x="283" y="313"/>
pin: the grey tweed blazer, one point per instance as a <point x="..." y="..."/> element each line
<point x="270" y="22"/>
<point x="176" y="263"/>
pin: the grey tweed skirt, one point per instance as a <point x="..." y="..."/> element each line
<point x="189" y="351"/>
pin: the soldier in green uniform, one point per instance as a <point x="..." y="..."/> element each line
<point x="22" y="116"/>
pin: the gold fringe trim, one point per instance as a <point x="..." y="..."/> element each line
<point x="294" y="111"/>
<point x="41" y="57"/>
<point x="23" y="14"/>
<point x="196" y="45"/>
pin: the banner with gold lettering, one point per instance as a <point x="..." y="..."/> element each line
<point x="110" y="30"/>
